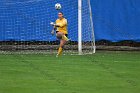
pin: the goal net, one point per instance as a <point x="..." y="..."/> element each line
<point x="25" y="26"/>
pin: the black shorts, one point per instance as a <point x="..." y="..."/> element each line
<point x="65" y="34"/>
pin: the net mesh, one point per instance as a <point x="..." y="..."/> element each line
<point x="25" y="26"/>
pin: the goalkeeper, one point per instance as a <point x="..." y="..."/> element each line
<point x="60" y="26"/>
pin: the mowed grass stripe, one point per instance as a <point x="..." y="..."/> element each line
<point x="103" y="72"/>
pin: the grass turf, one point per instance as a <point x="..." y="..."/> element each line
<point x="103" y="72"/>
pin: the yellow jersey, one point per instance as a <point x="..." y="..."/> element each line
<point x="62" y="23"/>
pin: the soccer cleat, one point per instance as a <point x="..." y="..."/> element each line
<point x="57" y="55"/>
<point x="68" y="40"/>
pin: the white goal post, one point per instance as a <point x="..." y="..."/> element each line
<point x="80" y="27"/>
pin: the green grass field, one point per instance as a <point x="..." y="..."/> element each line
<point x="103" y="72"/>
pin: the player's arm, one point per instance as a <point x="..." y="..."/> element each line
<point x="54" y="29"/>
<point x="59" y="24"/>
<point x="55" y="25"/>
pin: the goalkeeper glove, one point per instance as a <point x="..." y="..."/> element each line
<point x="53" y="24"/>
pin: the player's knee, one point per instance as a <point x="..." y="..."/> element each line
<point x="59" y="36"/>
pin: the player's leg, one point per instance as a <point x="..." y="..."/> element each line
<point x="61" y="35"/>
<point x="64" y="37"/>
<point x="60" y="50"/>
<point x="63" y="40"/>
